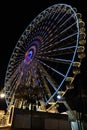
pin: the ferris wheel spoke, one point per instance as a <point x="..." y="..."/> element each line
<point x="12" y="82"/>
<point x="16" y="61"/>
<point x="68" y="28"/>
<point x="69" y="36"/>
<point x="20" y="49"/>
<point x="42" y="86"/>
<point x="58" y="52"/>
<point x="60" y="41"/>
<point x="67" y="48"/>
<point x="67" y="20"/>
<point x="47" y="79"/>
<point x="56" y="30"/>
<point x="45" y="73"/>
<point x="54" y="70"/>
<point x="50" y="18"/>
<point x="13" y="68"/>
<point x="65" y="61"/>
<point x="51" y="84"/>
<point x="11" y="75"/>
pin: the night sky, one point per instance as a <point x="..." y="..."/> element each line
<point x="15" y="17"/>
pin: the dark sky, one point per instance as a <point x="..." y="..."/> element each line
<point x="15" y="17"/>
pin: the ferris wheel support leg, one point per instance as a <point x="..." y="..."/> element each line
<point x="71" y="114"/>
<point x="11" y="114"/>
<point x="76" y="123"/>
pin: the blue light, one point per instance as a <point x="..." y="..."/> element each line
<point x="30" y="54"/>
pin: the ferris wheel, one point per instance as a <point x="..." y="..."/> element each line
<point x="46" y="57"/>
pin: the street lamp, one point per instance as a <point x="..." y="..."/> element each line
<point x="59" y="97"/>
<point x="2" y="95"/>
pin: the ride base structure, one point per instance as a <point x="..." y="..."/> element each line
<point x="25" y="119"/>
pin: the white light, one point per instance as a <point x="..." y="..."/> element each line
<point x="2" y="95"/>
<point x="59" y="97"/>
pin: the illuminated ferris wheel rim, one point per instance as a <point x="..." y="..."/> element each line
<point x="35" y="52"/>
<point x="39" y="16"/>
